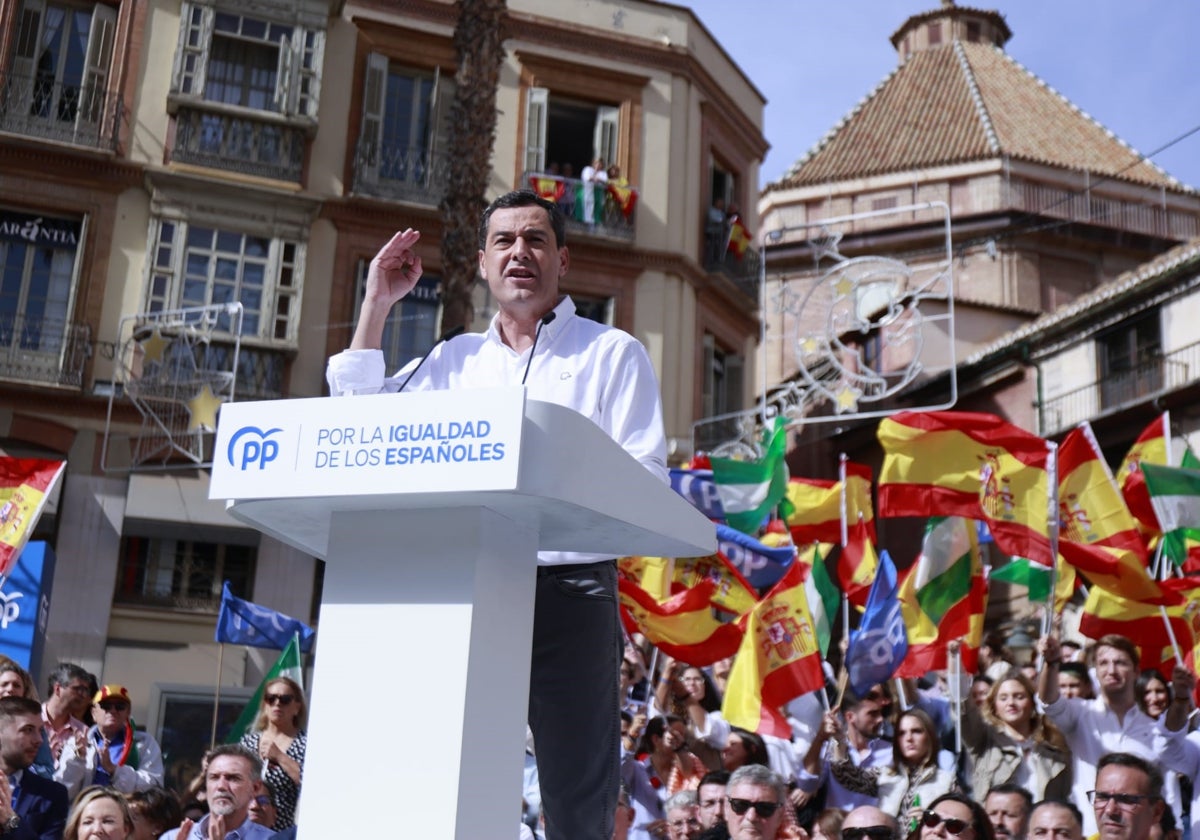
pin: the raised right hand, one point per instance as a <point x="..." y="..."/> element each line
<point x="394" y="270"/>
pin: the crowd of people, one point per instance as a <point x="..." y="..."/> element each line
<point x="1079" y="744"/>
<point x="77" y="767"/>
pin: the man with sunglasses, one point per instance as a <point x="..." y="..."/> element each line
<point x="754" y="801"/>
<point x="866" y="822"/>
<point x="1127" y="800"/>
<point x="118" y="755"/>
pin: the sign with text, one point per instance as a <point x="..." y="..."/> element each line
<point x="25" y="606"/>
<point x="429" y="441"/>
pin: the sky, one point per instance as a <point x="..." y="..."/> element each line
<point x="1130" y="64"/>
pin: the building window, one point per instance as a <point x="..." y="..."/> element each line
<point x="196" y="265"/>
<point x="1131" y="361"/>
<point x="251" y="62"/>
<point x="59" y="74"/>
<point x="188" y="574"/>
<point x="411" y="327"/>
<point x="38" y="265"/>
<point x="599" y="310"/>
<point x="722" y="386"/>
<point x="405" y="128"/>
<point x="973" y="32"/>
<point x="564" y="132"/>
<point x="934" y="33"/>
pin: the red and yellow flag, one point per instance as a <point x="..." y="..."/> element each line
<point x="624" y="196"/>
<point x="779" y="658"/>
<point x="816" y="514"/>
<point x="1107" y="612"/>
<point x="650" y="574"/>
<point x="1097" y="534"/>
<point x="25" y="484"/>
<point x="732" y="593"/>
<point x="858" y="564"/>
<point x="739" y="237"/>
<point x="547" y="187"/>
<point x="1152" y="447"/>
<point x="978" y="466"/>
<point x="683" y="626"/>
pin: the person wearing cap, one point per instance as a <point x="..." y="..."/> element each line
<point x="117" y="755"/>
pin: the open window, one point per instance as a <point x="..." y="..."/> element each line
<point x="58" y="81"/>
<point x="563" y="130"/>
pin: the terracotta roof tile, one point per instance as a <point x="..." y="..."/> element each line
<point x="965" y="102"/>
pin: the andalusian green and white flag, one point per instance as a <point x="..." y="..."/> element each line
<point x="1175" y="497"/>
<point x="287" y="665"/>
<point x="750" y="490"/>
<point x="1027" y="573"/>
<point x="823" y="596"/>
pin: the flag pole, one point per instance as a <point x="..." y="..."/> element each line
<point x="212" y="741"/>
<point x="956" y="699"/>
<point x="1052" y="527"/>
<point x="1160" y="566"/>
<point x="845" y="542"/>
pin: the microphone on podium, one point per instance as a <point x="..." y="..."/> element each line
<point x="546" y="319"/>
<point x="446" y="336"/>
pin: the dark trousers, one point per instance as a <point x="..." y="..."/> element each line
<point x="574" y="684"/>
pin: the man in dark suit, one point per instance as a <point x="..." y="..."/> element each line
<point x="31" y="808"/>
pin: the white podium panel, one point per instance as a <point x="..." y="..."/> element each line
<point x="429" y="509"/>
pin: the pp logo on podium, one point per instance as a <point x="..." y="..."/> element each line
<point x="251" y="447"/>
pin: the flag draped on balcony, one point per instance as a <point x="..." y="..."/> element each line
<point x="25" y="485"/>
<point x="739" y="237"/>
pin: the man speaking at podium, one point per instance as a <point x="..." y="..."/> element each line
<point x="537" y="339"/>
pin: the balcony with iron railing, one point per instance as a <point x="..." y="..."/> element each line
<point x="400" y="173"/>
<point x="742" y="270"/>
<point x="45" y="351"/>
<point x="265" y="146"/>
<point x="594" y="208"/>
<point x="1155" y="375"/>
<point x="41" y="107"/>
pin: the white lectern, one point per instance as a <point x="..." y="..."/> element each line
<point x="430" y="508"/>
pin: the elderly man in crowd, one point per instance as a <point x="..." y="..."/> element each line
<point x="1051" y="819"/>
<point x="754" y="801"/>
<point x="1008" y="808"/>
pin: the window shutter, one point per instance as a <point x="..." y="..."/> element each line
<point x="604" y="139"/>
<point x="29" y="35"/>
<point x="735" y="372"/>
<point x="708" y="385"/>
<point x="536" y="118"/>
<point x="92" y="107"/>
<point x="191" y="56"/>
<point x="371" y="136"/>
<point x="285" y="87"/>
<point x="310" y="64"/>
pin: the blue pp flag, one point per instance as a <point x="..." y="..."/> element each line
<point x="697" y="487"/>
<point x="761" y="565"/>
<point x="880" y="643"/>
<point x="244" y="623"/>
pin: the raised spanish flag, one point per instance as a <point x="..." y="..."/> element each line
<point x="858" y="564"/>
<point x="739" y="237"/>
<point x="548" y="186"/>
<point x="732" y="593"/>
<point x="818" y="505"/>
<point x="779" y="659"/>
<point x="969" y="464"/>
<point x="624" y="196"/>
<point x="683" y="626"/>
<point x="943" y="597"/>
<point x="1097" y="534"/>
<point x="652" y="575"/>
<point x="1153" y="446"/>
<point x="25" y="485"/>
<point x="1109" y="612"/>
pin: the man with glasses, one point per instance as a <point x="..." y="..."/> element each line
<point x="67" y="694"/>
<point x="1051" y="819"/>
<point x="682" y="822"/>
<point x="1127" y="800"/>
<point x="866" y="822"/>
<point x="117" y="755"/>
<point x="754" y="801"/>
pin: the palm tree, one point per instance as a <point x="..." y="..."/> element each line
<point x="479" y="43"/>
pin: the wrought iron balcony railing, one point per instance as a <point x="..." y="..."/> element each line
<point x="43" y="350"/>
<point x="238" y="143"/>
<point x="82" y="115"/>
<point x="402" y="173"/>
<point x="743" y="270"/>
<point x="599" y="209"/>
<point x="1155" y="375"/>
